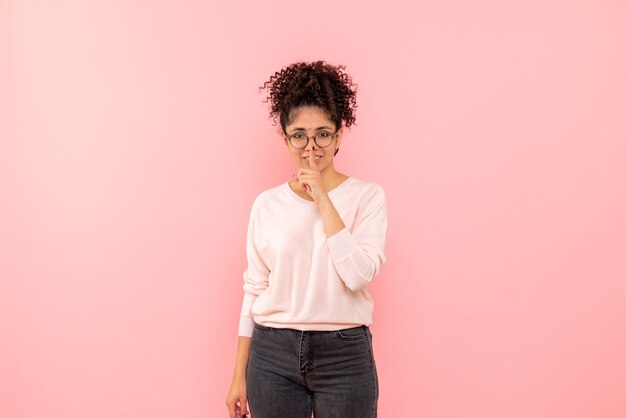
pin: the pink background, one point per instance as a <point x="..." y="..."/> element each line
<point x="133" y="141"/>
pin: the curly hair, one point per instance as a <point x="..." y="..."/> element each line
<point x="312" y="84"/>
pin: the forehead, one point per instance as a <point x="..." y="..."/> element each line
<point x="308" y="117"/>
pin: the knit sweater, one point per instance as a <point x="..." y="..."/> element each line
<point x="296" y="276"/>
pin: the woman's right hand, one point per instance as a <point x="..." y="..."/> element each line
<point x="237" y="393"/>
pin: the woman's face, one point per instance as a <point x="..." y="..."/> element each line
<point x="311" y="120"/>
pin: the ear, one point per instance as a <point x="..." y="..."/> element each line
<point x="339" y="137"/>
<point x="283" y="138"/>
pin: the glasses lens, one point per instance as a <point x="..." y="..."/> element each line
<point x="323" y="139"/>
<point x="298" y="140"/>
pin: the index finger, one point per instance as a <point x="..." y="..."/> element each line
<point x="312" y="162"/>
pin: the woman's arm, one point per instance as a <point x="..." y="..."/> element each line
<point x="243" y="351"/>
<point x="311" y="180"/>
<point x="255" y="282"/>
<point x="237" y="393"/>
<point x="357" y="254"/>
<point x="332" y="221"/>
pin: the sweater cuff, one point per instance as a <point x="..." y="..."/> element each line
<point x="246" y="326"/>
<point x="341" y="245"/>
<point x="246" y="320"/>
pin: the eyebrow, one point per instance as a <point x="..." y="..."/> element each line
<point x="317" y="129"/>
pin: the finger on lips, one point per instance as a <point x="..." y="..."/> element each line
<point x="312" y="162"/>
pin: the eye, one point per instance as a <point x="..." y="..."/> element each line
<point x="299" y="135"/>
<point x="324" y="134"/>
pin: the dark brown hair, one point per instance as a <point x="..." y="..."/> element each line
<point x="312" y="84"/>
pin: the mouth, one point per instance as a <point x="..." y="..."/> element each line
<point x="317" y="157"/>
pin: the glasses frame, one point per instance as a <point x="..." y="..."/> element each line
<point x="308" y="138"/>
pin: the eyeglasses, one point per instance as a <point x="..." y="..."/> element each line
<point x="322" y="139"/>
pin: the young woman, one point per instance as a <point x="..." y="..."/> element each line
<point x="314" y="244"/>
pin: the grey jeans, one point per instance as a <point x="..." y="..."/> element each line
<point x="292" y="373"/>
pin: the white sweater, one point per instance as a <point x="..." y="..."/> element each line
<point x="296" y="276"/>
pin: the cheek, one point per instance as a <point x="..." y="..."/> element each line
<point x="297" y="158"/>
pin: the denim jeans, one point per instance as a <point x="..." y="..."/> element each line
<point x="292" y="373"/>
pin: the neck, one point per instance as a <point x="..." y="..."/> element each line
<point x="330" y="177"/>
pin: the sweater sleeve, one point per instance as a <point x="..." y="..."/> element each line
<point x="255" y="277"/>
<point x="359" y="255"/>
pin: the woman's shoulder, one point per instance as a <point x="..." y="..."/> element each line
<point x="270" y="194"/>
<point x="368" y="187"/>
<point x="273" y="190"/>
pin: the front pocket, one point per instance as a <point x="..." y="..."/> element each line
<point x="351" y="334"/>
<point x="261" y="327"/>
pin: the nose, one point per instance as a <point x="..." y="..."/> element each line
<point x="310" y="144"/>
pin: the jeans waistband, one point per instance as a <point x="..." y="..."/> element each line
<point x="257" y="325"/>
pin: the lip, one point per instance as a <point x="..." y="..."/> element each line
<point x="307" y="157"/>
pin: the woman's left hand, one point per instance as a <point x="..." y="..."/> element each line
<point x="310" y="179"/>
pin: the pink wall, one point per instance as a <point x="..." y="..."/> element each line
<point x="133" y="140"/>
